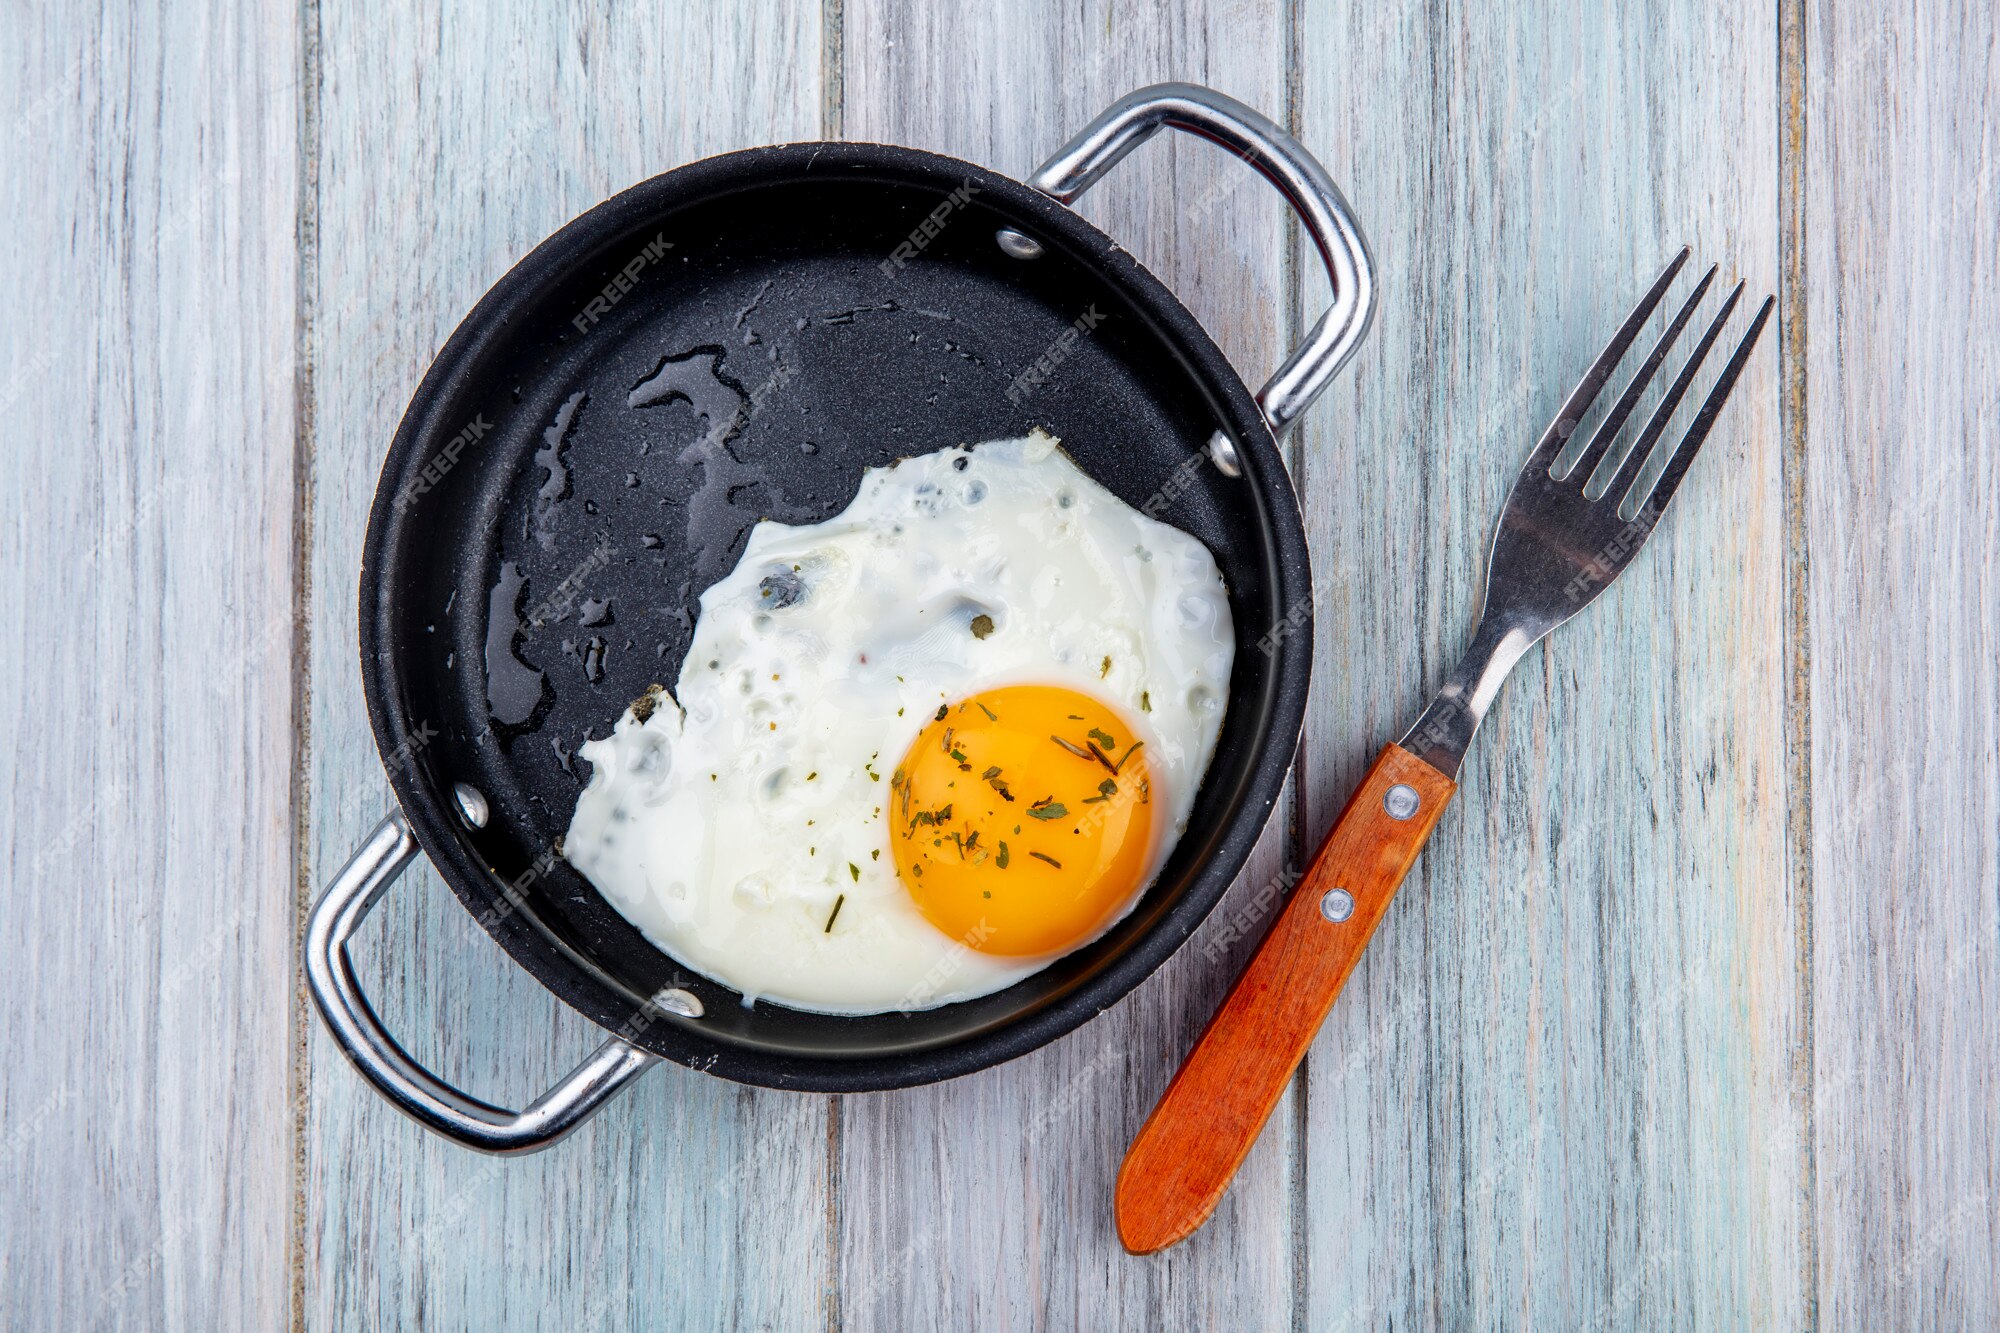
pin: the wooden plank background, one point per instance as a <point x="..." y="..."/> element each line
<point x="1901" y="499"/>
<point x="1686" y="1020"/>
<point x="1562" y="1083"/>
<point x="149" y="161"/>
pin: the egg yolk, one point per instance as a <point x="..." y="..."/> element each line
<point x="1023" y="819"/>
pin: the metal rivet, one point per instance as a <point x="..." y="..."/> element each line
<point x="1018" y="245"/>
<point x="1222" y="452"/>
<point x="1338" y="905"/>
<point x="1401" y="801"/>
<point x="472" y="804"/>
<point x="685" y="1003"/>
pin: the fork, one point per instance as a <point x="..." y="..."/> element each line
<point x="1568" y="529"/>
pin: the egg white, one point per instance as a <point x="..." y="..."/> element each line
<point x="728" y="825"/>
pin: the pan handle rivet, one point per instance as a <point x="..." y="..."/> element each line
<point x="677" y="1001"/>
<point x="1018" y="245"/>
<point x="471" y="804"/>
<point x="1401" y="801"/>
<point x="1338" y="905"/>
<point x="1222" y="452"/>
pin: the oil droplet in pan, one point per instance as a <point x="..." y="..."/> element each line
<point x="694" y="378"/>
<point x="734" y="492"/>
<point x="556" y="487"/>
<point x="514" y="689"/>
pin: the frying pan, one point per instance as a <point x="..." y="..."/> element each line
<point x="739" y="339"/>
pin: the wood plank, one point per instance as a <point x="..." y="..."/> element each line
<point x="986" y="1202"/>
<point x="450" y="140"/>
<point x="148" y="174"/>
<point x="1901" y="465"/>
<point x="1563" y="1089"/>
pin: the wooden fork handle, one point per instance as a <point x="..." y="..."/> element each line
<point x="1189" y="1148"/>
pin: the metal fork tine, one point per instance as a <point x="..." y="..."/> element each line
<point x="1614" y="420"/>
<point x="1670" y="477"/>
<point x="1558" y="545"/>
<point x="1656" y="425"/>
<point x="1585" y="393"/>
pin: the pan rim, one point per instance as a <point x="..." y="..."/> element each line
<point x="1282" y="703"/>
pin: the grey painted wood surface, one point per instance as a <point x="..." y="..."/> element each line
<point x="1901" y="408"/>
<point x="1562" y="1085"/>
<point x="1686" y="1019"/>
<point x="147" y="175"/>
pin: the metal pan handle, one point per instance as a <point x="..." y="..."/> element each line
<point x="1281" y="160"/>
<point x="410" y="1088"/>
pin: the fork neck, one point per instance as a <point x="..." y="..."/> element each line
<point x="1442" y="735"/>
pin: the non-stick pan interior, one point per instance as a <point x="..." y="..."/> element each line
<point x="737" y="341"/>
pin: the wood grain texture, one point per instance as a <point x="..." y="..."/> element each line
<point x="1190" y="1147"/>
<point x="1563" y="1089"/>
<point x="450" y="139"/>
<point x="147" y="178"/>
<point x="1669" y="1028"/>
<point x="986" y="1202"/>
<point x="1902" y="484"/>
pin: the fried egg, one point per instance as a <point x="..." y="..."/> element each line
<point x="918" y="751"/>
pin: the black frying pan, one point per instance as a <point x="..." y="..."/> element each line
<point x="800" y="313"/>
